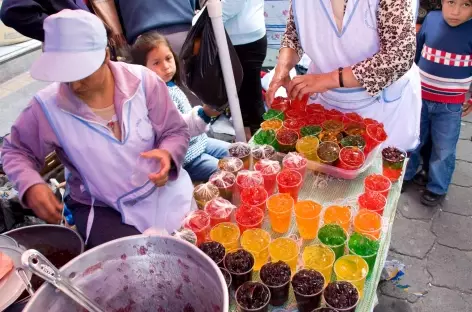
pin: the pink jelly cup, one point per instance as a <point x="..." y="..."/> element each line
<point x="248" y="179"/>
<point x="372" y="201"/>
<point x="371" y="186"/>
<point x="248" y="217"/>
<point x="198" y="221"/>
<point x="255" y="196"/>
<point x="290" y="182"/>
<point x="295" y="161"/>
<point x="269" y="170"/>
<point x="219" y="210"/>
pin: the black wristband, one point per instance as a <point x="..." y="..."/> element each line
<point x="341" y="82"/>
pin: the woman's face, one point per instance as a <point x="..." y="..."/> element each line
<point x="457" y="12"/>
<point x="92" y="83"/>
<point x="161" y="61"/>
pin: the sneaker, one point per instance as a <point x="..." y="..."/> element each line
<point x="421" y="178"/>
<point x="431" y="199"/>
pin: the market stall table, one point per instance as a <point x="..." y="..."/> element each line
<point x="330" y="191"/>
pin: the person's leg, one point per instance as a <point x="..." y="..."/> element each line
<point x="217" y="148"/>
<point x="445" y="130"/>
<point x="252" y="56"/>
<point x="107" y="224"/>
<point x="202" y="167"/>
<point x="426" y="153"/>
<point x="414" y="161"/>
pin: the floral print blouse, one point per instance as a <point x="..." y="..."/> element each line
<point x="397" y="35"/>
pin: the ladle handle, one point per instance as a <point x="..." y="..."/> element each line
<point x="39" y="265"/>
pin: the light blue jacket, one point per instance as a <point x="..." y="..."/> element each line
<point x="244" y="20"/>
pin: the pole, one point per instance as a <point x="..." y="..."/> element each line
<point x="215" y="13"/>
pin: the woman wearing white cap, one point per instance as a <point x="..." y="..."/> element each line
<point x="101" y="118"/>
<point x="362" y="54"/>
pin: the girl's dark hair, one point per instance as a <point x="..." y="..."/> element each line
<point x="145" y="44"/>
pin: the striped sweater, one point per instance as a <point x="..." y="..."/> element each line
<point x="444" y="56"/>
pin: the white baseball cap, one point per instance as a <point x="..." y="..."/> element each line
<point x="74" y="47"/>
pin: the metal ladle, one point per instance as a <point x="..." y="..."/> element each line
<point x="39" y="265"/>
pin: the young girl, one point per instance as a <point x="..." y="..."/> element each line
<point x="153" y="51"/>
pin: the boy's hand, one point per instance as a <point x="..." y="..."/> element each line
<point x="159" y="178"/>
<point x="467" y="108"/>
<point x="210" y="112"/>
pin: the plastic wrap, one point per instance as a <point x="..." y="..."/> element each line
<point x="203" y="193"/>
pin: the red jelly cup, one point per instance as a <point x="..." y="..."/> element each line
<point x="269" y="170"/>
<point x="287" y="140"/>
<point x="290" y="182"/>
<point x="351" y="158"/>
<point x="280" y="104"/>
<point x="255" y="197"/>
<point x="300" y="104"/>
<point x="294" y="124"/>
<point x="315" y="120"/>
<point x="370" y="121"/>
<point x="372" y="201"/>
<point x="353" y="117"/>
<point x="377" y="183"/>
<point x="248" y="217"/>
<point x="374" y="135"/>
<point x="334" y="114"/>
<point x="198" y="221"/>
<point x="295" y="114"/>
<point x="315" y="109"/>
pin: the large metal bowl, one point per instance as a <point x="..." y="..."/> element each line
<point x="140" y="273"/>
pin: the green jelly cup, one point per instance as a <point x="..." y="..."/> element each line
<point x="266" y="137"/>
<point x="273" y="114"/>
<point x="310" y="131"/>
<point x="353" y="140"/>
<point x="334" y="237"/>
<point x="367" y="248"/>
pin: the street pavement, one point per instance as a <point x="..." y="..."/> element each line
<point x="435" y="245"/>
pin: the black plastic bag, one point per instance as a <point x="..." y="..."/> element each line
<point x="201" y="70"/>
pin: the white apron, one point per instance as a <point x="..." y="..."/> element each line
<point x="398" y="106"/>
<point x="106" y="164"/>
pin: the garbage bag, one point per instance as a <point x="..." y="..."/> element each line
<point x="201" y="70"/>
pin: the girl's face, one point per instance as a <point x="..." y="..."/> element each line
<point x="161" y="61"/>
<point x="457" y="12"/>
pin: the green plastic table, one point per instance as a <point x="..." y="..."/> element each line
<point x="328" y="191"/>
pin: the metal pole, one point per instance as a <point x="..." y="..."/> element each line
<point x="215" y="13"/>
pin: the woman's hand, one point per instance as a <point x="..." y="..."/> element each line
<point x="309" y="84"/>
<point x="45" y="205"/>
<point x="281" y="78"/>
<point x="159" y="178"/>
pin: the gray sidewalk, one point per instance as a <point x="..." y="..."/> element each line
<point x="435" y="245"/>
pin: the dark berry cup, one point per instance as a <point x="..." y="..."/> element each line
<point x="253" y="297"/>
<point x="308" y="286"/>
<point x="240" y="264"/>
<point x="276" y="276"/>
<point x="341" y="296"/>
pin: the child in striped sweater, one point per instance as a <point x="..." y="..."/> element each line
<point x="444" y="56"/>
<point x="201" y="161"/>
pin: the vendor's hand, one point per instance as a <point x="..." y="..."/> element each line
<point x="44" y="203"/>
<point x="467" y="108"/>
<point x="281" y="78"/>
<point x="210" y="112"/>
<point x="309" y="84"/>
<point x="159" y="178"/>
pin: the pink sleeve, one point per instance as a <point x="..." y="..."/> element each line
<point x="172" y="132"/>
<point x="25" y="149"/>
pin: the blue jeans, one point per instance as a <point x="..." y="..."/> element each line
<point x="443" y="123"/>
<point x="202" y="167"/>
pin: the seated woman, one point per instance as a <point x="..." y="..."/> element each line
<point x="153" y="51"/>
<point x="100" y="118"/>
